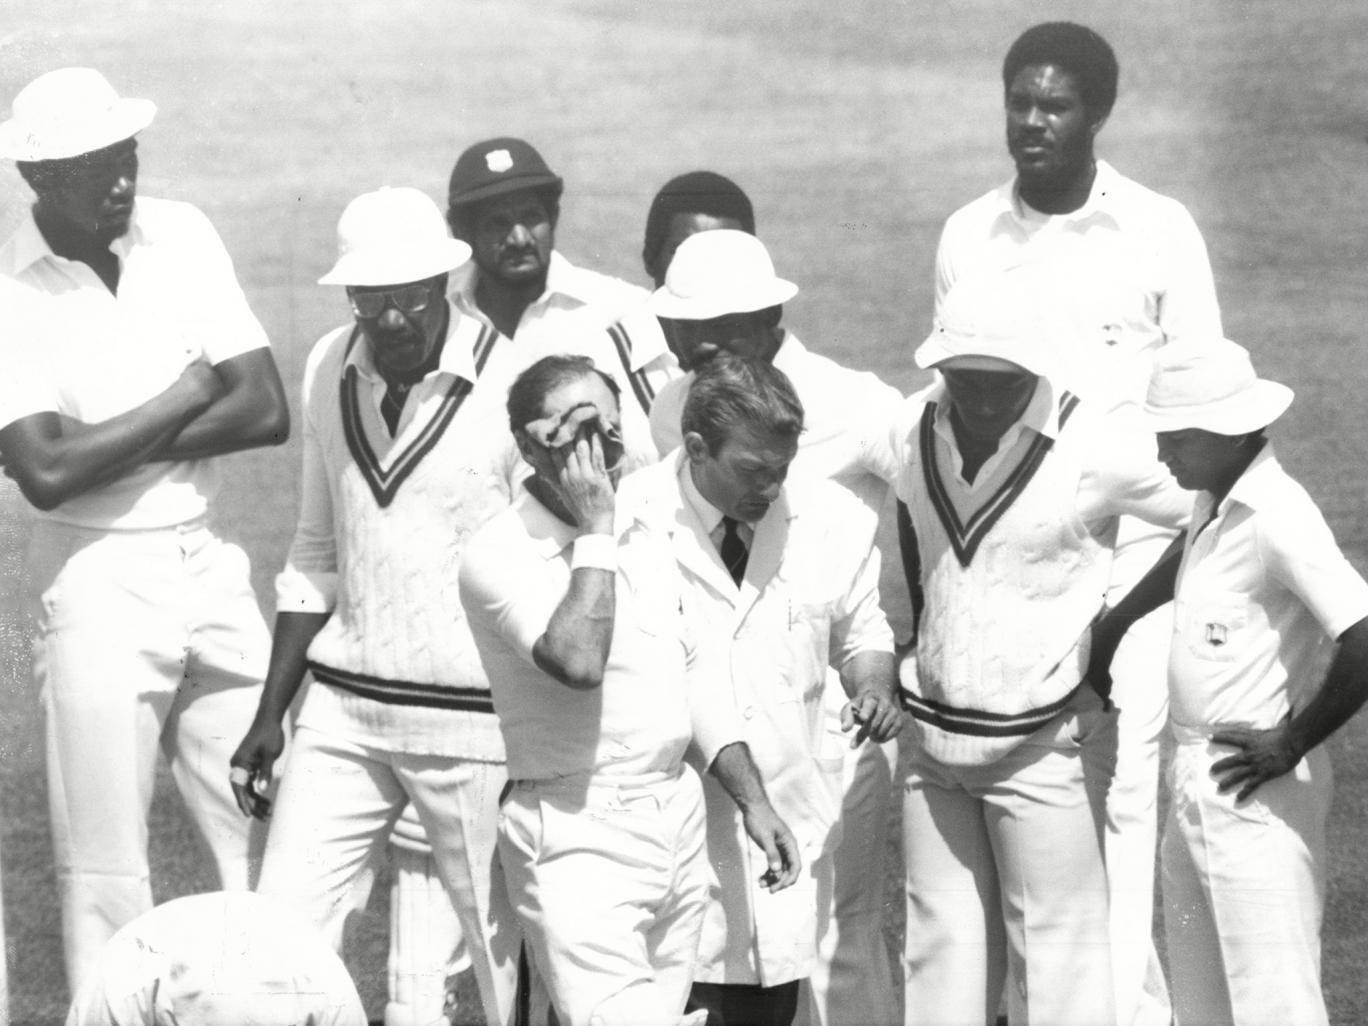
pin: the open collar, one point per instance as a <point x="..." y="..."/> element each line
<point x="28" y="246"/>
<point x="460" y="351"/>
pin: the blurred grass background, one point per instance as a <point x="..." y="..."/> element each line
<point x="856" y="129"/>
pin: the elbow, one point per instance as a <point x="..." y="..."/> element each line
<point x="582" y="675"/>
<point x="45" y="490"/>
<point x="274" y="428"/>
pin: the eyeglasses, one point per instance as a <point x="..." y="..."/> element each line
<point x="411" y="299"/>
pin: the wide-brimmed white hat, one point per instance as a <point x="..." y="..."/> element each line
<point x="67" y="112"/>
<point x="990" y="319"/>
<point x="719" y="272"/>
<point x="393" y="236"/>
<point x="1212" y="387"/>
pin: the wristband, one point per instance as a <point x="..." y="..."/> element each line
<point x="595" y="551"/>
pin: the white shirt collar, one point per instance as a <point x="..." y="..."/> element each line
<point x="1101" y="201"/>
<point x="28" y="246"/>
<point x="1260" y="486"/>
<point x="1041" y="415"/>
<point x="457" y="356"/>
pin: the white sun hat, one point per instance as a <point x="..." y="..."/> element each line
<point x="67" y="112"/>
<point x="994" y="318"/>
<point x="1212" y="387"/>
<point x="391" y="237"/>
<point x="719" y="272"/>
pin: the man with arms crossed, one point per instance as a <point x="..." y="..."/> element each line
<point x="783" y="583"/>
<point x="131" y="358"/>
<point x="721" y="295"/>
<point x="401" y="465"/>
<point x="580" y="627"/>
<point x="1124" y="272"/>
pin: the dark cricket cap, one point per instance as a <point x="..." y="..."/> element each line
<point x="498" y="166"/>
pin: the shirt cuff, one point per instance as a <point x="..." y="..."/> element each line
<point x="300" y="591"/>
<point x="595" y="551"/>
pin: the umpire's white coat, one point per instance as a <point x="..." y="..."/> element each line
<point x="811" y="579"/>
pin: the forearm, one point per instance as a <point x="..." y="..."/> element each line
<point x="53" y="458"/>
<point x="251" y="412"/>
<point x="870" y="673"/>
<point x="1342" y="693"/>
<point x="574" y="647"/>
<point x="736" y="771"/>
<point x="289" y="659"/>
<point x="1150" y="592"/>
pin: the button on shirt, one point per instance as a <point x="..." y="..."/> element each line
<point x="1261" y="588"/>
<point x="1132" y="270"/>
<point x="640" y="719"/>
<point x="74" y="348"/>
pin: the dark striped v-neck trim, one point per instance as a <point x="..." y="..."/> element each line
<point x="384" y="484"/>
<point x="966" y="538"/>
<point x="645" y="394"/>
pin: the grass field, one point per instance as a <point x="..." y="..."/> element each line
<point x="855" y="127"/>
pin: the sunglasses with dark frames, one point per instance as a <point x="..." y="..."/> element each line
<point x="409" y="300"/>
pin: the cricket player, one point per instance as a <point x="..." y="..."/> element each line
<point x="132" y="359"/>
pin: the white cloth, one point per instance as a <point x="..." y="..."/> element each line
<point x="145" y="640"/>
<point x="221" y="959"/>
<point x="383" y="524"/>
<point x="339" y="801"/>
<point x="1006" y="880"/>
<point x="809" y="598"/>
<point x="1260" y="590"/>
<point x="91" y="354"/>
<point x="1131" y="265"/>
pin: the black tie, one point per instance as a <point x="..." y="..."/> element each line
<point x="733" y="550"/>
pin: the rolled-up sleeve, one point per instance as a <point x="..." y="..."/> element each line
<point x="220" y="319"/>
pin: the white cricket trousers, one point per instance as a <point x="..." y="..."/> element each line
<point x="332" y="820"/>
<point x="426" y="946"/>
<point x="145" y="640"/>
<point x="1006" y="881"/>
<point x="1140" y="692"/>
<point x="610" y="879"/>
<point x="1244" y="891"/>
<point x="852" y="977"/>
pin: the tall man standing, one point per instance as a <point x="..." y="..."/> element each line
<point x="721" y="295"/>
<point x="131" y="358"/>
<point x="782" y="583"/>
<point x="401" y="465"/>
<point x="579" y="623"/>
<point x="1122" y="271"/>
